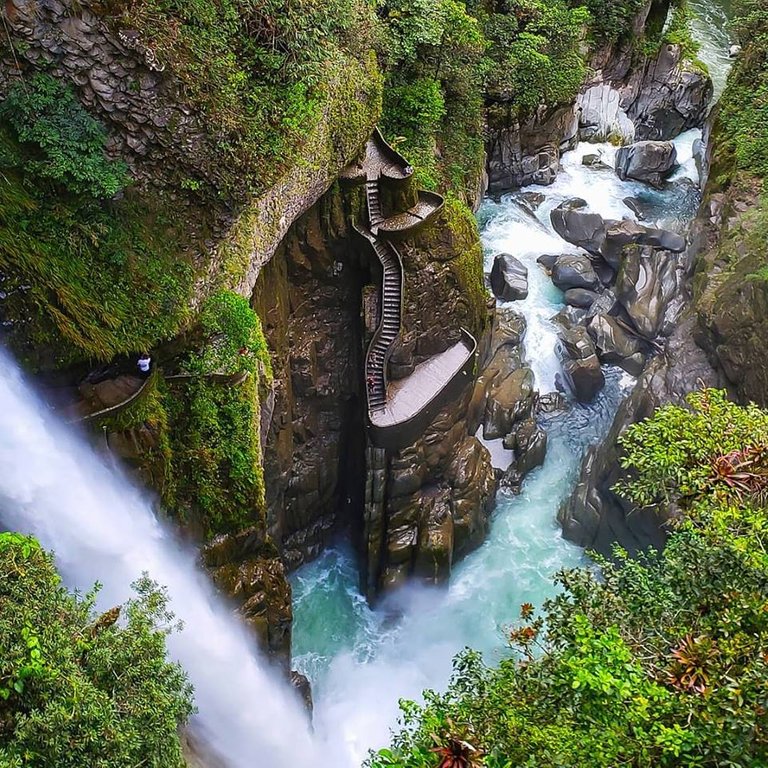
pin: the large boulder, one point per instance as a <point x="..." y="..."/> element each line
<point x="581" y="298"/>
<point x="619" y="234"/>
<point x="581" y="365"/>
<point x="510" y="400"/>
<point x="614" y="345"/>
<point x="578" y="226"/>
<point x="646" y="282"/>
<point x="574" y="271"/>
<point x="509" y="278"/>
<point x="647" y="161"/>
<point x="529" y="442"/>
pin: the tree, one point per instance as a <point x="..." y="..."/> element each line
<point x="78" y="689"/>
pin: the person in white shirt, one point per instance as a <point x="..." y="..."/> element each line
<point x="144" y="364"/>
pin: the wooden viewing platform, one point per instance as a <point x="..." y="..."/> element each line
<point x="379" y="161"/>
<point x="400" y="411"/>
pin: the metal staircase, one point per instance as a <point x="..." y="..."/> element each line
<point x="375" y="214"/>
<point x="388" y="329"/>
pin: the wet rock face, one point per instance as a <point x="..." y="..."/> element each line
<point x="594" y="516"/>
<point x="581" y="365"/>
<point x="509" y="278"/>
<point x="574" y="272"/>
<point x="646" y="282"/>
<point x="509" y="400"/>
<point x="246" y="567"/>
<point x="666" y="96"/>
<point x="602" y="117"/>
<point x="614" y="345"/>
<point x="529" y="153"/>
<point x="529" y="443"/>
<point x="308" y="299"/>
<point x="648" y="161"/>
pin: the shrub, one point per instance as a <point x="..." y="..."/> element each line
<point x="78" y="689"/>
<point x="69" y="143"/>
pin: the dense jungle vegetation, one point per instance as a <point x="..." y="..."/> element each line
<point x="78" y="688"/>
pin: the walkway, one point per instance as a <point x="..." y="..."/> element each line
<point x="410" y="395"/>
<point x="399" y="412"/>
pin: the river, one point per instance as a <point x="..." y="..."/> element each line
<point x="361" y="661"/>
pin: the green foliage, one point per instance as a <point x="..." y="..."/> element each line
<point x="215" y="438"/>
<point x="676" y="453"/>
<point x="84" y="279"/>
<point x="742" y="123"/>
<point x="258" y="72"/>
<point x="657" y="661"/>
<point x="678" y="31"/>
<point x="77" y="689"/>
<point x="68" y="143"/>
<point x="432" y="98"/>
<point x="610" y="19"/>
<point x="234" y="339"/>
<point x="535" y="54"/>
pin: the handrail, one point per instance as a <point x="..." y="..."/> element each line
<point x="391" y="228"/>
<point x="119" y="407"/>
<point x="379" y="332"/>
<point x="400" y="434"/>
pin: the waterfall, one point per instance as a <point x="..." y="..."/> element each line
<point x="101" y="528"/>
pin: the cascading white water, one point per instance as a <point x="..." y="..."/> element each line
<point x="102" y="529"/>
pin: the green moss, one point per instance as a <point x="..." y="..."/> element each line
<point x="215" y="425"/>
<point x="257" y="74"/>
<point x="84" y="279"/>
<point x="468" y="264"/>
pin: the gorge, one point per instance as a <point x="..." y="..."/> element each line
<point x="376" y="422"/>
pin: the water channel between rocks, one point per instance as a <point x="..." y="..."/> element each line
<point x="361" y="661"/>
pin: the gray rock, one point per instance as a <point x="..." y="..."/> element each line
<point x="586" y="230"/>
<point x="580" y="298"/>
<point x="667" y="96"/>
<point x="619" y="234"/>
<point x="647" y="161"/>
<point x="574" y="271"/>
<point x="634" y="205"/>
<point x="645" y="283"/>
<point x="614" y="345"/>
<point x="510" y="400"/>
<point x="532" y="200"/>
<point x="509" y="278"/>
<point x="602" y="117"/>
<point x="592" y="161"/>
<point x="530" y="446"/>
<point x="548" y="261"/>
<point x="581" y="366"/>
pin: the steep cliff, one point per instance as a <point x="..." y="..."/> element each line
<point x="616" y="77"/>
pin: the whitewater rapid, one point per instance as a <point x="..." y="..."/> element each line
<point x="101" y="528"/>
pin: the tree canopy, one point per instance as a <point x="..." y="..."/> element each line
<point x="80" y="689"/>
